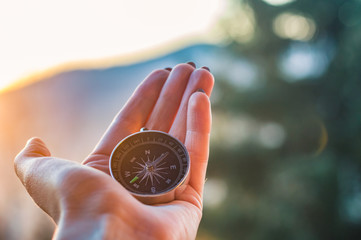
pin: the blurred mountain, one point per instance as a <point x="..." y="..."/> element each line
<point x="69" y="111"/>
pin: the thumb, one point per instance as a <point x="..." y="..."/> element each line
<point x="26" y="160"/>
<point x="33" y="166"/>
<point x="35" y="148"/>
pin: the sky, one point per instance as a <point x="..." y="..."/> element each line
<point x="41" y="34"/>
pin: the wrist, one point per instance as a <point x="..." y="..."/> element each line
<point x="106" y="226"/>
<point x="87" y="227"/>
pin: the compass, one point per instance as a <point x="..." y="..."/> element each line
<point x="150" y="165"/>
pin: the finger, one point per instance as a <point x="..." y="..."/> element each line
<point x="31" y="166"/>
<point x="134" y="114"/>
<point x="35" y="148"/>
<point x="167" y="105"/>
<point x="200" y="79"/>
<point x="197" y="138"/>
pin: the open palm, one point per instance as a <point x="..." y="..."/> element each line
<point x="86" y="203"/>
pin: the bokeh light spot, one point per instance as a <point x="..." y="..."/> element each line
<point x="215" y="192"/>
<point x="232" y="130"/>
<point x="294" y="26"/>
<point x="242" y="74"/>
<point x="238" y="24"/>
<point x="278" y="2"/>
<point x="272" y="135"/>
<point x="301" y="61"/>
<point x="242" y="30"/>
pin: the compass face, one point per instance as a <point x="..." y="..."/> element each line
<point x="149" y="163"/>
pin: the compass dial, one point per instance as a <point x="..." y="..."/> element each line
<point x="149" y="163"/>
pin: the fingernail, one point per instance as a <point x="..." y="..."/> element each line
<point x="200" y="90"/>
<point x="206" y="68"/>
<point x="192" y="64"/>
<point x="168" y="69"/>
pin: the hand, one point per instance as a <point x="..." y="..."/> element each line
<point x="86" y="203"/>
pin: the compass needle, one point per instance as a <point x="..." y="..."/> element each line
<point x="134" y="179"/>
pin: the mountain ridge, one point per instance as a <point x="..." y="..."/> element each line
<point x="85" y="66"/>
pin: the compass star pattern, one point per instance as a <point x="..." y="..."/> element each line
<point x="151" y="170"/>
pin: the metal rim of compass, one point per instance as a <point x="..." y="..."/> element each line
<point x="162" y="197"/>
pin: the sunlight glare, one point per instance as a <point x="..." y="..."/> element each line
<point x="40" y="34"/>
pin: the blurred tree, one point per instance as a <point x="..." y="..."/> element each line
<point x="287" y="123"/>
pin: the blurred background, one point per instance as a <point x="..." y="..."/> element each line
<point x="285" y="156"/>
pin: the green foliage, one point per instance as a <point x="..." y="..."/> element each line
<point x="308" y="186"/>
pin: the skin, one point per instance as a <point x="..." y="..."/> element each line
<point x="86" y="203"/>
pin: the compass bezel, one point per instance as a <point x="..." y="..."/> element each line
<point x="148" y="197"/>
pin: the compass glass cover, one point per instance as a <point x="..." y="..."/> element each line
<point x="149" y="163"/>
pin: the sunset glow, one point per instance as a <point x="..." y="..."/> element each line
<point x="37" y="35"/>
